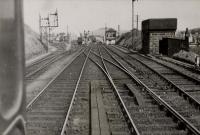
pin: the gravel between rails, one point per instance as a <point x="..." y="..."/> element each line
<point x="160" y="127"/>
<point x="33" y="87"/>
<point x="160" y="87"/>
<point x="47" y="114"/>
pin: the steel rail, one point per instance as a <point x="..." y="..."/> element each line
<point x="63" y="132"/>
<point x="110" y="62"/>
<point x="190" y="67"/>
<point x="130" y="122"/>
<point x="42" y="91"/>
<point x="175" y="70"/>
<point x="186" y="95"/>
<point x="41" y="60"/>
<point x="52" y="60"/>
<point x="160" y="101"/>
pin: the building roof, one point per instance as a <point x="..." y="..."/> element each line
<point x="159" y="24"/>
<point x="111" y="30"/>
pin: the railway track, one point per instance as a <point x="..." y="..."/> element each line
<point x="65" y="108"/>
<point x="191" y="72"/>
<point x="40" y="66"/>
<point x="188" y="66"/>
<point x="101" y="93"/>
<point x="162" y="89"/>
<point x="118" y="120"/>
<point x="35" y="69"/>
<point x="145" y="115"/>
<point x="36" y="64"/>
<point x="179" y="79"/>
<point x="46" y="113"/>
<point x="190" y="69"/>
<point x="181" y="67"/>
<point x="95" y="116"/>
<point x="36" y="80"/>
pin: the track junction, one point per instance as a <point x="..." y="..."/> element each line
<point x="110" y="90"/>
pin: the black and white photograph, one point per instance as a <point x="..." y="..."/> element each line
<point x="99" y="67"/>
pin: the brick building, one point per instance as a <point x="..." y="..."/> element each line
<point x="154" y="30"/>
<point x="110" y="36"/>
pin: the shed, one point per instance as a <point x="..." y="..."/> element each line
<point x="153" y="30"/>
<point x="170" y="46"/>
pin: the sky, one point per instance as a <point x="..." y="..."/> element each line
<point x="81" y="15"/>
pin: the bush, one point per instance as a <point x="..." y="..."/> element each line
<point x="126" y="40"/>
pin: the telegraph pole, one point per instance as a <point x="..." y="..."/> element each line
<point x="132" y="22"/>
<point x="118" y="30"/>
<point x="40" y="27"/>
<point x="67" y="30"/>
<point x="137" y="23"/>
<point x="105" y="33"/>
<point x="49" y="33"/>
<point x="68" y="35"/>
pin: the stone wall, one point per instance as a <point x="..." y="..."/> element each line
<point x="153" y="30"/>
<point x="155" y="37"/>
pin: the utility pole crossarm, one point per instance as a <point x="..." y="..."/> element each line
<point x="46" y="26"/>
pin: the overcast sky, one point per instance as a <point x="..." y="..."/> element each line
<point x="93" y="14"/>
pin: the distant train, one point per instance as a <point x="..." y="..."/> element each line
<point x="89" y="39"/>
<point x="80" y="41"/>
<point x="92" y="39"/>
